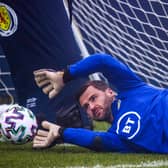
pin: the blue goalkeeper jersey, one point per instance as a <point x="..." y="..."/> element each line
<point x="140" y="111"/>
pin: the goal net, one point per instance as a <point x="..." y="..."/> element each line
<point x="135" y="32"/>
<point x="7" y="90"/>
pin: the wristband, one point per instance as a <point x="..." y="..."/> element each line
<point x="67" y="76"/>
<point x="61" y="131"/>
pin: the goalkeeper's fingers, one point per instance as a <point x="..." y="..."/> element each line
<point x="40" y="74"/>
<point x="53" y="93"/>
<point x="43" y="141"/>
<point x="42" y="82"/>
<point x="42" y="133"/>
<point x="46" y="124"/>
<point x="40" y="142"/>
<point x="39" y="71"/>
<point x="47" y="89"/>
<point x="41" y="78"/>
<point x="53" y="130"/>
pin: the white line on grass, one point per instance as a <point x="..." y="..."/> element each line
<point x="159" y="163"/>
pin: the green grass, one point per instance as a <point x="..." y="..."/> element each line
<point x="100" y="125"/>
<point x="19" y="156"/>
<point x="23" y="156"/>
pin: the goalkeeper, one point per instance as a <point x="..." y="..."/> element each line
<point x="137" y="112"/>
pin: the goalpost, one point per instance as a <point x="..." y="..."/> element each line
<point x="135" y="32"/>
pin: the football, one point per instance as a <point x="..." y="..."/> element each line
<point x="18" y="124"/>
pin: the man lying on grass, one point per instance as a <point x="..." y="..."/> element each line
<point x="138" y="113"/>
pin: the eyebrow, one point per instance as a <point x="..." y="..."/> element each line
<point x="92" y="96"/>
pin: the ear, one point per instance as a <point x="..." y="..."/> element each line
<point x="110" y="92"/>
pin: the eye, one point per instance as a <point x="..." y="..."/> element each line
<point x="92" y="98"/>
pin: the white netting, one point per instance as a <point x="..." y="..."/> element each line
<point x="6" y="86"/>
<point x="135" y="31"/>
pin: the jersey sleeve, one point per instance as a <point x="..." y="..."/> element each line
<point x="117" y="73"/>
<point x="98" y="141"/>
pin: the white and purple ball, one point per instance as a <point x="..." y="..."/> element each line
<point x="18" y="124"/>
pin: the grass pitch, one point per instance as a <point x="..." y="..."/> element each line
<point x="23" y="156"/>
<point x="70" y="156"/>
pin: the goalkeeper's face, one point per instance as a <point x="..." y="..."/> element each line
<point x="97" y="103"/>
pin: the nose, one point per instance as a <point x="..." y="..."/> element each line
<point x="90" y="110"/>
<point x="91" y="106"/>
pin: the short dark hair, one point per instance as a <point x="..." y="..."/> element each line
<point x="98" y="84"/>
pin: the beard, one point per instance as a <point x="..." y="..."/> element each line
<point x="107" y="117"/>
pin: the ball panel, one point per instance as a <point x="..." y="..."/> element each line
<point x="18" y="124"/>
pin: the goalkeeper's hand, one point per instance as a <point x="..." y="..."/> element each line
<point x="50" y="81"/>
<point x="45" y="138"/>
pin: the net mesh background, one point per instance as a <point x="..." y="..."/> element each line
<point x="7" y="90"/>
<point x="133" y="31"/>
